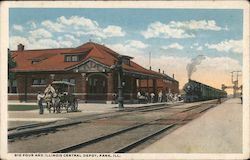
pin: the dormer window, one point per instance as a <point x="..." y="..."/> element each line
<point x="71" y="58"/>
<point x="35" y="61"/>
<point x="126" y="61"/>
<point x="38" y="59"/>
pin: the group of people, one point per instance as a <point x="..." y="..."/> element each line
<point x="160" y="97"/>
<point x="48" y="92"/>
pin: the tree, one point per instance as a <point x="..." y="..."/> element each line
<point x="11" y="75"/>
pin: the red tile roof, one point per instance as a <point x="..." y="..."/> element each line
<point x="53" y="59"/>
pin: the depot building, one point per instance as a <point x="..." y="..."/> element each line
<point x="89" y="68"/>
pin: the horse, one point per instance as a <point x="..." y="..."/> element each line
<point x="53" y="101"/>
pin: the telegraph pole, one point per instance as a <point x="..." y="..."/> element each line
<point x="235" y="82"/>
<point x="150" y="60"/>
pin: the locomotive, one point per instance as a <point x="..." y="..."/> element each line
<point x="196" y="91"/>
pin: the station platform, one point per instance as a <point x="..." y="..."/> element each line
<point x="219" y="130"/>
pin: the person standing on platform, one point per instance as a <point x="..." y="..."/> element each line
<point x="152" y="95"/>
<point x="147" y="97"/>
<point x="39" y="102"/>
<point x="241" y="98"/>
<point x="160" y="96"/>
<point x="138" y="94"/>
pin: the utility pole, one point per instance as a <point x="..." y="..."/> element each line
<point x="150" y="60"/>
<point x="235" y="82"/>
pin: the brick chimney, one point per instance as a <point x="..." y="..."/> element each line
<point x="150" y="68"/>
<point x="173" y="76"/>
<point x="20" y="47"/>
<point x="159" y="70"/>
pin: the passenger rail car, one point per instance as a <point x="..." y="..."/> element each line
<point x="196" y="91"/>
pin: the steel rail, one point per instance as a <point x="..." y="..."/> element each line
<point x="144" y="139"/>
<point x="128" y="147"/>
<point x="32" y="129"/>
<point x="40" y="130"/>
<point x="45" y="129"/>
<point x="98" y="139"/>
<point x="32" y="125"/>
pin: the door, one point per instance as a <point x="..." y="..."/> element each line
<point x="97" y="87"/>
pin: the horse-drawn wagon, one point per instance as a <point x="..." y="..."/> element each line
<point x="60" y="95"/>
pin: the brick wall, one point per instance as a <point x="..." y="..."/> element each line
<point x="81" y="85"/>
<point x="25" y="81"/>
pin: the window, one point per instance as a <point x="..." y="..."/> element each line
<point x="69" y="58"/>
<point x="34" y="61"/>
<point x="74" y="58"/>
<point x="126" y="61"/>
<point x="39" y="81"/>
<point x="71" y="80"/>
<point x="12" y="86"/>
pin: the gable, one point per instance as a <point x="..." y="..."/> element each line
<point x="91" y="66"/>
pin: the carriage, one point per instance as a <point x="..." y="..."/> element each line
<point x="63" y="97"/>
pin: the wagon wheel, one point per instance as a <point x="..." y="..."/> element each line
<point x="67" y="106"/>
<point x="58" y="107"/>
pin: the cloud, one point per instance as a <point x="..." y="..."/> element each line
<point x="173" y="46"/>
<point x="110" y="31"/>
<point x="227" y="46"/>
<point x="53" y="26"/>
<point x="114" y="31"/>
<point x="130" y="48"/>
<point x="70" y="28"/>
<point x="45" y="43"/>
<point x="72" y="38"/>
<point x="31" y="25"/>
<point x="196" y="25"/>
<point x="68" y="40"/>
<point x="195" y="44"/>
<point x="81" y="26"/>
<point x="200" y="48"/>
<point x="136" y="44"/>
<point x="34" y="43"/>
<point x="160" y="30"/>
<point x="78" y="21"/>
<point x="179" y="29"/>
<point x="40" y="33"/>
<point x="17" y="27"/>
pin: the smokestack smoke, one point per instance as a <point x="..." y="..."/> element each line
<point x="191" y="67"/>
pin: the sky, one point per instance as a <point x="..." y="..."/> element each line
<point x="173" y="37"/>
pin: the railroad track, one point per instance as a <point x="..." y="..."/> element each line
<point x="31" y="134"/>
<point x="126" y="139"/>
<point x="29" y="130"/>
<point x="35" y="129"/>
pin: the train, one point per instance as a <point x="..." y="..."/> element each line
<point x="196" y="91"/>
